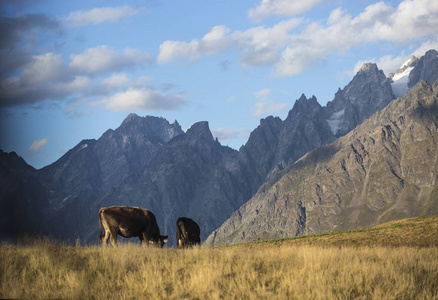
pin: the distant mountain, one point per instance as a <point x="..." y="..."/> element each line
<point x="151" y="163"/>
<point x="23" y="198"/>
<point x="93" y="167"/>
<point x="368" y="92"/>
<point x="386" y="168"/>
<point x="413" y="71"/>
<point x="276" y="144"/>
<point x="193" y="176"/>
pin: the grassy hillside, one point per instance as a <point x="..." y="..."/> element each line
<point x="396" y="260"/>
<point x="411" y="232"/>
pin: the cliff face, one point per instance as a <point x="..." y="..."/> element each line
<point x="368" y="92"/>
<point x="386" y="168"/>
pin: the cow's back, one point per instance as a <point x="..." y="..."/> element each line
<point x="131" y="220"/>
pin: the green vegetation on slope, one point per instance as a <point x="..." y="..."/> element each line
<point x="410" y="232"/>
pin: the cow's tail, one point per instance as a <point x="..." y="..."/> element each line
<point x="100" y="224"/>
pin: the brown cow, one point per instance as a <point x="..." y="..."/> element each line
<point x="129" y="222"/>
<point x="187" y="233"/>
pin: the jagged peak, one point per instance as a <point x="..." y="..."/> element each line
<point x="269" y="120"/>
<point x="431" y="53"/>
<point x="130" y="117"/>
<point x="369" y="66"/>
<point x="303" y="103"/>
<point x="200" y="130"/>
<point x="369" y="72"/>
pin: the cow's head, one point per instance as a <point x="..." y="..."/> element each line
<point x="159" y="240"/>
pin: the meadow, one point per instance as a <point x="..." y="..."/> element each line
<point x="326" y="266"/>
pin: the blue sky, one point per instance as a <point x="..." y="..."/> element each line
<point x="70" y="70"/>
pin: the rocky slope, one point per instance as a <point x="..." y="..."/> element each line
<point x="95" y="166"/>
<point x="192" y="176"/>
<point x="23" y="198"/>
<point x="150" y="163"/>
<point x="275" y="144"/>
<point x="386" y="168"/>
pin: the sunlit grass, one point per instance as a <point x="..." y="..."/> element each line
<point x="280" y="270"/>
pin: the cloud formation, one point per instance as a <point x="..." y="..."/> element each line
<point x="101" y="15"/>
<point x="292" y="46"/>
<point x="36" y="145"/>
<point x="49" y="77"/>
<point x="19" y="35"/>
<point x="144" y="99"/>
<point x="265" y="105"/>
<point x="286" y="8"/>
<point x="227" y="134"/>
<point x="104" y="59"/>
<point x="212" y="43"/>
<point x="258" y="45"/>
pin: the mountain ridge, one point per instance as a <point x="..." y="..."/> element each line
<point x="151" y="163"/>
<point x="338" y="186"/>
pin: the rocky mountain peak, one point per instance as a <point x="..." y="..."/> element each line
<point x="304" y="105"/>
<point x="368" y="92"/>
<point x="368" y="67"/>
<point x="369" y="72"/>
<point x="200" y="130"/>
<point x="383" y="170"/>
<point x="12" y="161"/>
<point x="425" y="69"/>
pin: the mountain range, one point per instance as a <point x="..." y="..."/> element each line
<point x="150" y="163"/>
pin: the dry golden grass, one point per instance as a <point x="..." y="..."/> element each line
<point x="271" y="270"/>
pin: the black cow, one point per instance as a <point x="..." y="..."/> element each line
<point x="187" y="233"/>
<point x="129" y="222"/>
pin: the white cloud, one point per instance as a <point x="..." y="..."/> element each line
<point x="430" y="44"/>
<point x="102" y="14"/>
<point x="288" y="8"/>
<point x="103" y="59"/>
<point x="259" y="45"/>
<point x="43" y="68"/>
<point x="293" y="50"/>
<point x="36" y="145"/>
<point x="212" y="43"/>
<point x="143" y="99"/>
<point x="411" y="20"/>
<point x="264" y="93"/>
<point x="265" y="105"/>
<point x="226" y="134"/>
<point x="390" y="63"/>
<point x="45" y="77"/>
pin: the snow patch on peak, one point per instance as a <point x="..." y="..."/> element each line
<point x="400" y="82"/>
<point x="405" y="73"/>
<point x="335" y="121"/>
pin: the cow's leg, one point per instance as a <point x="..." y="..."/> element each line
<point x="113" y="238"/>
<point x="107" y="233"/>
<point x="144" y="239"/>
<point x="105" y="238"/>
<point x="143" y="242"/>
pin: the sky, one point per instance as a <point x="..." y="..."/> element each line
<point x="70" y="70"/>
